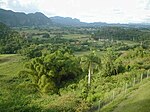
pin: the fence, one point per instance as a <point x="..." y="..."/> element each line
<point x="121" y="91"/>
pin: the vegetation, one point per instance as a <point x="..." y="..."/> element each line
<point x="53" y="71"/>
<point x="68" y="69"/>
<point x="117" y="33"/>
<point x="10" y="41"/>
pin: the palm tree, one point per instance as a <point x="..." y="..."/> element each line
<point x="90" y="62"/>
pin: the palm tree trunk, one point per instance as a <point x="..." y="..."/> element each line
<point x="89" y="76"/>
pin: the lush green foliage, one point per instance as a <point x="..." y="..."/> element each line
<point x="10" y="41"/>
<point x="53" y="71"/>
<point x="117" y="33"/>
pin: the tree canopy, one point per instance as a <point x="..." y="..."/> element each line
<point x="53" y="71"/>
<point x="10" y="41"/>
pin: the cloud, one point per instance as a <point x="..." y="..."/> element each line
<point x="147" y="19"/>
<point x="2" y="4"/>
<point x="147" y="7"/>
<point x="19" y="5"/>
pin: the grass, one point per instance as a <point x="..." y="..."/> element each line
<point x="138" y="101"/>
<point x="10" y="65"/>
<point x="76" y="36"/>
<point x="13" y="98"/>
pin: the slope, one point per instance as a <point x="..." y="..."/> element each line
<point x="138" y="101"/>
<point x="11" y="98"/>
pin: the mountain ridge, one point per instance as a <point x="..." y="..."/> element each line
<point x="16" y="19"/>
<point x="21" y="19"/>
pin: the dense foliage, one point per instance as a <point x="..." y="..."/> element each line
<point x="117" y="33"/>
<point x="54" y="71"/>
<point x="10" y="41"/>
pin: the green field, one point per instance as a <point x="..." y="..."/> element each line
<point x="10" y="65"/>
<point x="77" y="36"/>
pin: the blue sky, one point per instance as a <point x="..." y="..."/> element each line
<point x="111" y="11"/>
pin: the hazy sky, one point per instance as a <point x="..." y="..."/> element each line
<point x="111" y="11"/>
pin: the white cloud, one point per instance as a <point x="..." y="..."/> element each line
<point x="122" y="11"/>
<point x="26" y="6"/>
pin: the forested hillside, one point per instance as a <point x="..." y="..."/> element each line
<point x="16" y="19"/>
<point x="38" y="19"/>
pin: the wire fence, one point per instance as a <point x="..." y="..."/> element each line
<point x="122" y="90"/>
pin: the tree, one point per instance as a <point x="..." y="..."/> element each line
<point x="109" y="67"/>
<point x="90" y="62"/>
<point x="51" y="72"/>
<point x="10" y="41"/>
<point x="32" y="51"/>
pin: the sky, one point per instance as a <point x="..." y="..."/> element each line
<point x="110" y="11"/>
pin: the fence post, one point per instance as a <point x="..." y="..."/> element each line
<point x="141" y="77"/>
<point x="126" y="86"/>
<point x="113" y="95"/>
<point x="134" y="81"/>
<point x="99" y="105"/>
<point x="147" y="74"/>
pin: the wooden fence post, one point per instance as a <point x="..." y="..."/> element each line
<point x="126" y="86"/>
<point x="99" y="105"/>
<point x="134" y="82"/>
<point x="141" y="77"/>
<point x="113" y="95"/>
<point x="147" y="74"/>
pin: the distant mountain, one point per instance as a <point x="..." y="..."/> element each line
<point x="67" y="21"/>
<point x="73" y="22"/>
<point x="16" y="19"/>
<point x="19" y="19"/>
